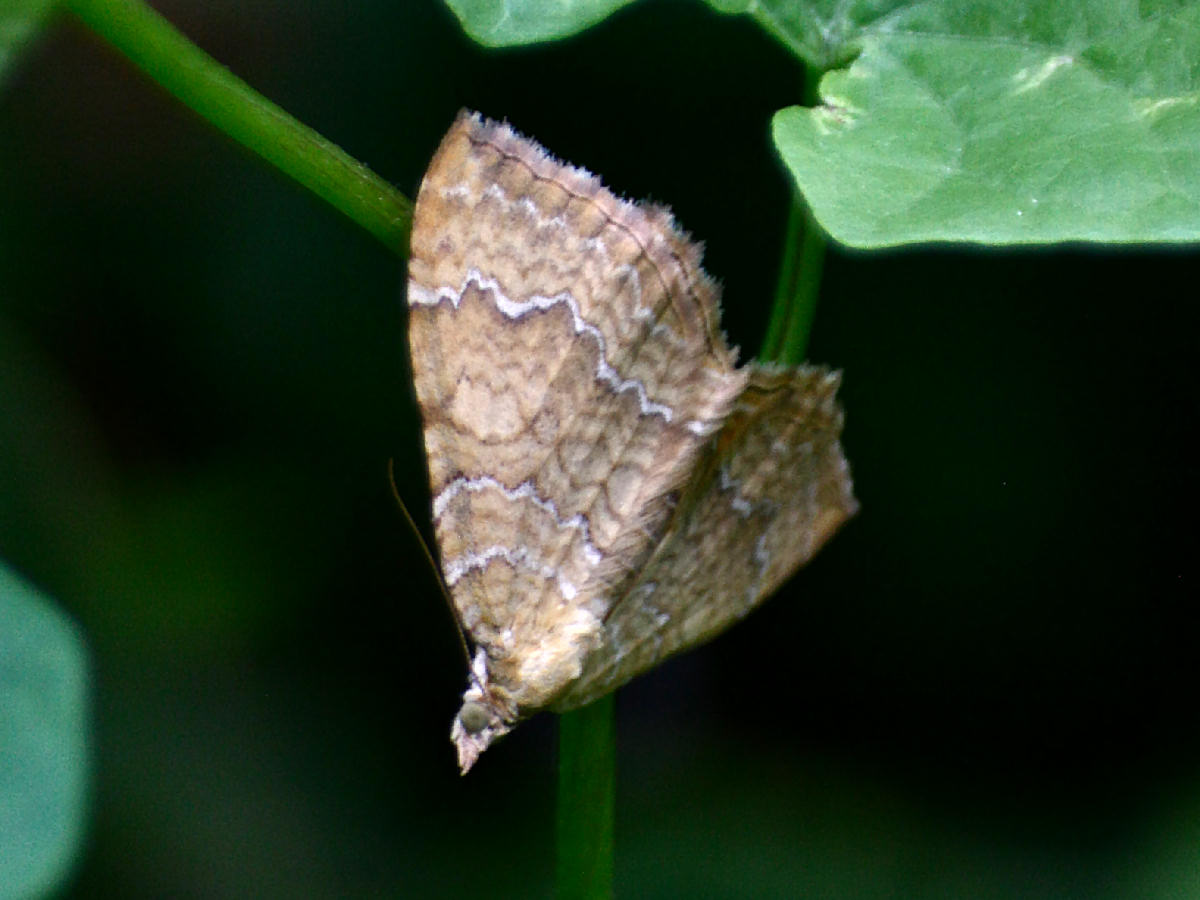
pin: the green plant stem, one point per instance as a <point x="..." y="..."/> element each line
<point x="200" y="83"/>
<point x="586" y="802"/>
<point x="800" y="269"/>
<point x="797" y="288"/>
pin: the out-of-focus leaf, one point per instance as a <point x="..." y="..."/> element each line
<point x="43" y="740"/>
<point x="504" y="23"/>
<point x="20" y="22"/>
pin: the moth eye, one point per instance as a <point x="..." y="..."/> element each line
<point x="474" y="717"/>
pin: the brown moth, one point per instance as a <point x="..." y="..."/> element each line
<point x="608" y="487"/>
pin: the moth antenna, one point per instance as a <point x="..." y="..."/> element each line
<point x="434" y="567"/>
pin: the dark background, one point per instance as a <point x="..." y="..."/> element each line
<point x="984" y="687"/>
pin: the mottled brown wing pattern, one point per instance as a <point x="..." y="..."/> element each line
<point x="608" y="489"/>
<point x="772" y="487"/>
<point x="570" y="370"/>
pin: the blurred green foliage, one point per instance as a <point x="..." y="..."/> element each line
<point x="43" y="740"/>
<point x="20" y="23"/>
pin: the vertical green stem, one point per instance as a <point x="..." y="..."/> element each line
<point x="797" y="289"/>
<point x="586" y="786"/>
<point x="800" y="269"/>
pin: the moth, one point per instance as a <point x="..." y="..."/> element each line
<point x="609" y="488"/>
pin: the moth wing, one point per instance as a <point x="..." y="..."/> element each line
<point x="570" y="369"/>
<point x="772" y="488"/>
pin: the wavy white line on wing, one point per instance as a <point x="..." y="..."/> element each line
<point x="518" y="557"/>
<point x="419" y="295"/>
<point x="524" y="491"/>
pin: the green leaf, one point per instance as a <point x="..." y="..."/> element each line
<point x="20" y="22"/>
<point x="43" y="740"/>
<point x="504" y="23"/>
<point x="1007" y="123"/>
<point x="822" y="33"/>
<point x="996" y="121"/>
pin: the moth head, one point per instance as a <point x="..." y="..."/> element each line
<point x="483" y="717"/>
<point x="474" y="716"/>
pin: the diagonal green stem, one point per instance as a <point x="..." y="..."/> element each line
<point x="205" y="86"/>
<point x="586" y="802"/>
